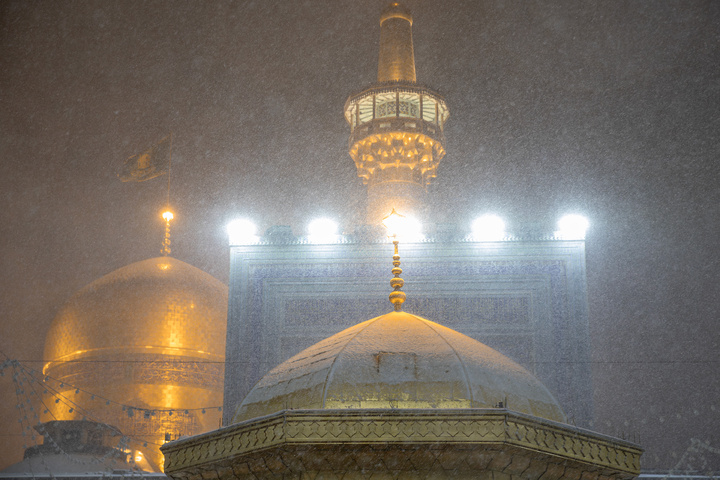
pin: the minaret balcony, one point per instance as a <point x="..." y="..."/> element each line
<point x="396" y="107"/>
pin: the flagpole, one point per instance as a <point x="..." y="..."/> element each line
<point x="169" y="169"/>
<point x="148" y="165"/>
<point x="167" y="215"/>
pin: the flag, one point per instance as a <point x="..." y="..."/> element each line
<point x="152" y="163"/>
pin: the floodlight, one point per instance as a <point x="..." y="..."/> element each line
<point x="405" y="228"/>
<point x="488" y="228"/>
<point x="412" y="230"/>
<point x="242" y="232"/>
<point x="323" y="230"/>
<point x="572" y="227"/>
<point x="167" y="215"/>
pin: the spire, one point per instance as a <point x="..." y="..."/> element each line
<point x="167" y="216"/>
<point x="394" y="224"/>
<point x="397" y="297"/>
<point x="397" y="60"/>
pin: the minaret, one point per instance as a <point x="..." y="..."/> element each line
<point x="396" y="126"/>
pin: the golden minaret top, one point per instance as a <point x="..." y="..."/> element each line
<point x="396" y="137"/>
<point x="397" y="60"/>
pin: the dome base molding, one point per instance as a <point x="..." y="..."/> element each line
<point x="417" y="443"/>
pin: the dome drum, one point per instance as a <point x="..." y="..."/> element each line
<point x="389" y="443"/>
<point x="144" y="369"/>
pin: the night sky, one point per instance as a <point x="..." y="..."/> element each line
<point x="609" y="110"/>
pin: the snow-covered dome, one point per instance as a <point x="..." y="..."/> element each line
<point x="399" y="360"/>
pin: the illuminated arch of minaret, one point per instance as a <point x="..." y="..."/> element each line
<point x="396" y="125"/>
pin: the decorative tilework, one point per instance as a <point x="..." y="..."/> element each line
<point x="457" y="443"/>
<point x="526" y="299"/>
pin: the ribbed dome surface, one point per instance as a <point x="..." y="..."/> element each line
<point x="398" y="360"/>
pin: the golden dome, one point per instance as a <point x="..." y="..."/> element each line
<point x="150" y="336"/>
<point x="159" y="305"/>
<point x="399" y="360"/>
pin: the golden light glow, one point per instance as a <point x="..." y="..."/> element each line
<point x="170" y="396"/>
<point x="165" y="315"/>
<point x="401" y="227"/>
<point x="167" y="215"/>
<point x="393" y="223"/>
<point x="397" y="156"/>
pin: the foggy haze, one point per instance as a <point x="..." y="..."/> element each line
<point x="610" y="110"/>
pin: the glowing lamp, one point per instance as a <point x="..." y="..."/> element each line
<point x="572" y="227"/>
<point x="488" y="228"/>
<point x="242" y="232"/>
<point x="323" y="230"/>
<point x="402" y="227"/>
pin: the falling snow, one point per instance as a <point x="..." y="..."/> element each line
<point x="611" y="110"/>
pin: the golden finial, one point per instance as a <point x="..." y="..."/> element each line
<point x="393" y="223"/>
<point x="167" y="215"/>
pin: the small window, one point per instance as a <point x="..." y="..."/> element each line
<point x="385" y="105"/>
<point x="366" y="110"/>
<point x="409" y="105"/>
<point x="429" y="109"/>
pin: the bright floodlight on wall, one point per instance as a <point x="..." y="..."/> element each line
<point x="407" y="229"/>
<point x="488" y="228"/>
<point x="572" y="227"/>
<point x="323" y="230"/>
<point x="242" y="232"/>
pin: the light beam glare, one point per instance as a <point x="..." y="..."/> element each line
<point x="323" y="230"/>
<point x="572" y="227"/>
<point x="406" y="229"/>
<point x="242" y="232"/>
<point x="488" y="228"/>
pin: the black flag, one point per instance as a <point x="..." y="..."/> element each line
<point x="152" y="163"/>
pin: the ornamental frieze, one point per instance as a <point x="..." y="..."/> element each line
<point x="510" y="442"/>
